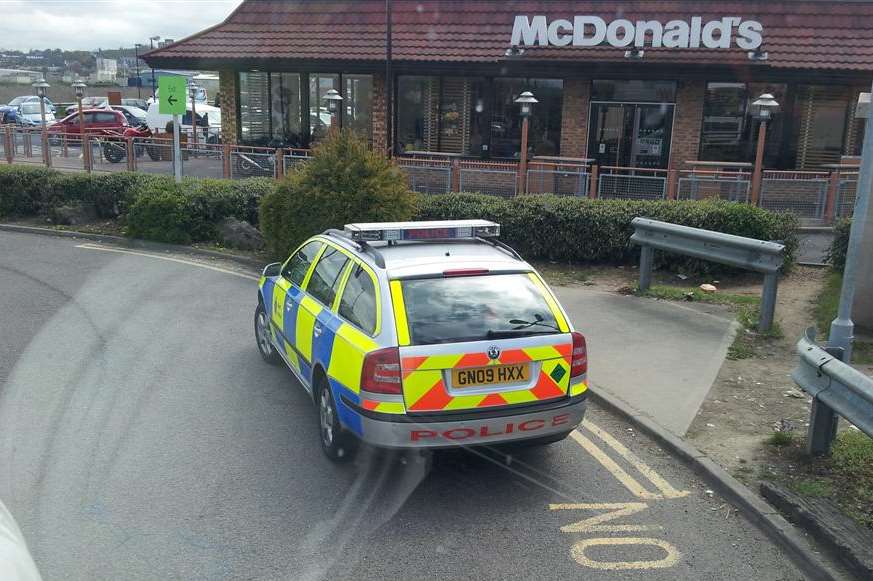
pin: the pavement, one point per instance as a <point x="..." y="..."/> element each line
<point x="658" y="356"/>
<point x="142" y="437"/>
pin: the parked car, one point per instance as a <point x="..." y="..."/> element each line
<point x="208" y="119"/>
<point x="9" y="112"/>
<point x="141" y="103"/>
<point x="134" y="115"/>
<point x="29" y="114"/>
<point x="96" y="121"/>
<point x="89" y="103"/>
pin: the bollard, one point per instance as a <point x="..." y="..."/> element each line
<point x="647" y="259"/>
<point x="768" y="301"/>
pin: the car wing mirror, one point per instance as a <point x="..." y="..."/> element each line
<point x="272" y="269"/>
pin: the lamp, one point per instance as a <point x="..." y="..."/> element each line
<point x="333" y="99"/>
<point x="763" y="108"/>
<point x="41" y="86"/>
<point x="79" y="87"/>
<point x="526" y="102"/>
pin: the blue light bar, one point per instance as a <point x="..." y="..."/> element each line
<point x="432" y="230"/>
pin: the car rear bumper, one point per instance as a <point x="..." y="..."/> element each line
<point x="472" y="429"/>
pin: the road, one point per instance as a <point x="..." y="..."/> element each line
<point x="142" y="437"/>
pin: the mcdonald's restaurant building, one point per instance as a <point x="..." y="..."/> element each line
<point x="624" y="83"/>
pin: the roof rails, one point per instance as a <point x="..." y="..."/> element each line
<point x="502" y="246"/>
<point x="360" y="244"/>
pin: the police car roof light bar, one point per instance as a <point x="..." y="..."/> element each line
<point x="423" y="231"/>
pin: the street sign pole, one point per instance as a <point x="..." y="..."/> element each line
<point x="177" y="150"/>
<point x="172" y="94"/>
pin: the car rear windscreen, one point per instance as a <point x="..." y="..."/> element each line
<point x="475" y="308"/>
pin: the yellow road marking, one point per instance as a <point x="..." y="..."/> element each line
<point x="595" y="523"/>
<point x="626" y="479"/>
<point x="169" y="259"/>
<point x="670" y="559"/>
<point x="666" y="489"/>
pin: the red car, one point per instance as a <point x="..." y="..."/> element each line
<point x="96" y="121"/>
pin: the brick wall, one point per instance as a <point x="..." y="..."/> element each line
<point x="687" y="122"/>
<point x="574" y="117"/>
<point x="228" y="90"/>
<point x="377" y="117"/>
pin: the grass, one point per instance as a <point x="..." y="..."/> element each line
<point x="825" y="311"/>
<point x="694" y="294"/>
<point x="563" y="274"/>
<point x="780" y="439"/>
<point x="813" y="487"/>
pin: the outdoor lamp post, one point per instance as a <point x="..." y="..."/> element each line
<point x="79" y="87"/>
<point x="333" y="99"/>
<point x="41" y="87"/>
<point x="763" y="109"/>
<point x="152" y="40"/>
<point x="526" y="101"/>
<point x="192" y="91"/>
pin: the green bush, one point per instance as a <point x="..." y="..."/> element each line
<point x="547" y="227"/>
<point x="836" y="256"/>
<point x="163" y="214"/>
<point x="25" y="190"/>
<point x="343" y="182"/>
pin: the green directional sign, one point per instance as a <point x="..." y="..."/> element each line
<point x="172" y="92"/>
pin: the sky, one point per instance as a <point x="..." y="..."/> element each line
<point x="92" y="24"/>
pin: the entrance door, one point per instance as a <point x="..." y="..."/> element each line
<point x="631" y="134"/>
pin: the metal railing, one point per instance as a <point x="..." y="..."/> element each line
<point x="558" y="179"/>
<point x="632" y="183"/>
<point x="713" y="185"/>
<point x="845" y="200"/>
<point x="802" y="193"/>
<point x="427" y="176"/>
<point x="747" y="253"/>
<point x="492" y="178"/>
<point x="836" y="388"/>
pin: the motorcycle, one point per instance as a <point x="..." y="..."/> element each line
<point x="252" y="164"/>
<point x="115" y="150"/>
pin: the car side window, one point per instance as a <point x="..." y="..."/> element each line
<point x="90" y="117"/>
<point x="106" y="118"/>
<point x="324" y="282"/>
<point x="358" y="303"/>
<point x="298" y="265"/>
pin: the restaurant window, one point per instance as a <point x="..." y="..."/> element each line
<point x="269" y="109"/>
<point x="819" y="124"/>
<point x="357" y="104"/>
<point x="544" y="135"/>
<point x="636" y="91"/>
<point x="416" y="113"/>
<point x="730" y="134"/>
<point x="319" y="116"/>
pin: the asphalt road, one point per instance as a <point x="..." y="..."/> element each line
<point x="142" y="437"/>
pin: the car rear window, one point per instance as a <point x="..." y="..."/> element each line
<point x="475" y="308"/>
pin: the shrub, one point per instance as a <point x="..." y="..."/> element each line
<point x="343" y="182"/>
<point x="164" y="214"/>
<point x="25" y="190"/>
<point x="836" y="255"/>
<point x="548" y="227"/>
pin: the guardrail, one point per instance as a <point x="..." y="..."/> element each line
<point x="836" y="388"/>
<point x="747" y="253"/>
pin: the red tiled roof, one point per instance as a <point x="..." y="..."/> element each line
<point x="797" y="34"/>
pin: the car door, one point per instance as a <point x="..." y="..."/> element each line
<point x="316" y="322"/>
<point x="284" y="298"/>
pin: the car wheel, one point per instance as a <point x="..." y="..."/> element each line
<point x="337" y="444"/>
<point x="262" y="336"/>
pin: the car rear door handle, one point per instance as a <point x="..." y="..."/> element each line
<point x="317" y="329"/>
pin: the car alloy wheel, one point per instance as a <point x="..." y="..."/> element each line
<point x="262" y="336"/>
<point x="326" y="417"/>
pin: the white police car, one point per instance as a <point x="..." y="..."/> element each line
<point x="423" y="335"/>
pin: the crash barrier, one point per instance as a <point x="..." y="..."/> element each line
<point x="836" y="389"/>
<point x="747" y="253"/>
<point x="816" y="197"/>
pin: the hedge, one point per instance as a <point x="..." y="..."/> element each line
<point x="836" y="255"/>
<point x="547" y="227"/>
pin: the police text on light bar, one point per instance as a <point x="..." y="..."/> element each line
<point x="432" y="230"/>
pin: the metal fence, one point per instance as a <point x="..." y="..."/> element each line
<point x="427" y="177"/>
<point x="845" y="202"/>
<point x="293" y="158"/>
<point x="253" y="162"/>
<point x="551" y="179"/>
<point x="718" y="186"/>
<point x="802" y="193"/>
<point x="492" y="179"/>
<point x="632" y="184"/>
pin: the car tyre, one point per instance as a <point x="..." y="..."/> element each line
<point x="337" y="444"/>
<point x="262" y="337"/>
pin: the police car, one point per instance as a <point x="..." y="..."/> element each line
<point x="423" y="335"/>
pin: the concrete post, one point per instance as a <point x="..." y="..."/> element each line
<point x="647" y="259"/>
<point x="768" y="301"/>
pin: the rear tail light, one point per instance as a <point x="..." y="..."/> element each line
<point x="579" y="361"/>
<point x="381" y="371"/>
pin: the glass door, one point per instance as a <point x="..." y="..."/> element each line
<point x="631" y="134"/>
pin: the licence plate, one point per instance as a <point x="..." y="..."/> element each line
<point x="491" y="375"/>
